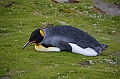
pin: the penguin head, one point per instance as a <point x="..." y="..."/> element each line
<point x="35" y="37"/>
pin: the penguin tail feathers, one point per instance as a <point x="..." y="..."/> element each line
<point x="103" y="47"/>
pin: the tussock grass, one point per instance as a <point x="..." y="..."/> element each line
<point x="19" y="20"/>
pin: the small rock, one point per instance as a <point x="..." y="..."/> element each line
<point x="9" y="4"/>
<point x="65" y="1"/>
<point x="84" y="63"/>
<point x="5" y="77"/>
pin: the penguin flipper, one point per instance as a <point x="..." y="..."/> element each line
<point x="64" y="46"/>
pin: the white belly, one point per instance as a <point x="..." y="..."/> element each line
<point x="87" y="51"/>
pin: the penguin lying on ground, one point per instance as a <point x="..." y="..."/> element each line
<point x="65" y="38"/>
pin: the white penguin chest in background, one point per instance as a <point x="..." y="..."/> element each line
<point x="87" y="51"/>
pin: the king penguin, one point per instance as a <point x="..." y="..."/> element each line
<point x="65" y="38"/>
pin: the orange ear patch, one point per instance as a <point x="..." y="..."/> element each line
<point x="42" y="33"/>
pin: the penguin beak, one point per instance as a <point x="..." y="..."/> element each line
<point x="27" y="44"/>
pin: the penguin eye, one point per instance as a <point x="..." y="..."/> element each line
<point x="37" y="37"/>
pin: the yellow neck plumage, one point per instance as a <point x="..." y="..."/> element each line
<point x="39" y="47"/>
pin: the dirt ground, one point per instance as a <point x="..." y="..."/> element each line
<point x="99" y="6"/>
<point x="108" y="8"/>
